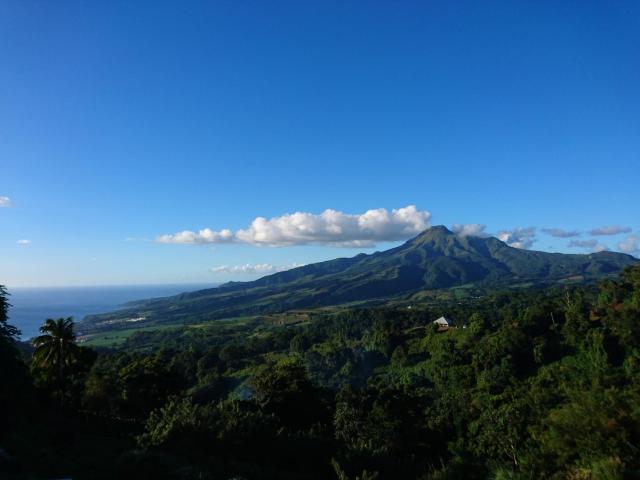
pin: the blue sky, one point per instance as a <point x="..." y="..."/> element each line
<point x="121" y="122"/>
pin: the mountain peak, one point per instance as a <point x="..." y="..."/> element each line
<point x="435" y="231"/>
<point x="439" y="229"/>
<point x="435" y="259"/>
<point x="433" y="234"/>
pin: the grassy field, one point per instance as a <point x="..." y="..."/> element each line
<point x="117" y="337"/>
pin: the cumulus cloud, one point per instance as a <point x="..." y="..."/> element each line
<point x="630" y="245"/>
<point x="610" y="230"/>
<point x="591" y="245"/>
<point x="23" y="242"/>
<point x="560" y="233"/>
<point x="469" y="229"/>
<point x="249" y="269"/>
<point x="5" y="202"/>
<point x="330" y="227"/>
<point x="204" y="236"/>
<point x="518" y="237"/>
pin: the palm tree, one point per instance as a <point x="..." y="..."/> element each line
<point x="56" y="348"/>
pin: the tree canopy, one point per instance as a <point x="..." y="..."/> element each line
<point x="538" y="383"/>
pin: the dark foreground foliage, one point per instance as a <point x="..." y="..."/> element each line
<point x="538" y="384"/>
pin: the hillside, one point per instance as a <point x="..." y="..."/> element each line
<point x="435" y="259"/>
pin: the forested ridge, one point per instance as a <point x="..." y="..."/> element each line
<point x="532" y="383"/>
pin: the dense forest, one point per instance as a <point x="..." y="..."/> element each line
<point x="538" y="383"/>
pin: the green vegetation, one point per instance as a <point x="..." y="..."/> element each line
<point x="428" y="265"/>
<point x="532" y="383"/>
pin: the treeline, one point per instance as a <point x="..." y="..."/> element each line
<point x="531" y="384"/>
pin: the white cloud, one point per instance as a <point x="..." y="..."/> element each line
<point x="610" y="230"/>
<point x="204" y="236"/>
<point x="469" y="229"/>
<point x="23" y="242"/>
<point x="330" y="227"/>
<point x="5" y="202"/>
<point x="518" y="237"/>
<point x="560" y="233"/>
<point x="630" y="245"/>
<point x="257" y="269"/>
<point x="591" y="245"/>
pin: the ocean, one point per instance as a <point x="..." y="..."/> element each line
<point x="31" y="306"/>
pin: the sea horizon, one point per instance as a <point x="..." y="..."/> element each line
<point x="31" y="306"/>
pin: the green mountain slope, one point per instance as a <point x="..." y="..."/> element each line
<point x="435" y="259"/>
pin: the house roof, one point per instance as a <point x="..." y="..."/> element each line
<point x="442" y="321"/>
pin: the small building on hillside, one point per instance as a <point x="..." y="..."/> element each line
<point x="443" y="323"/>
